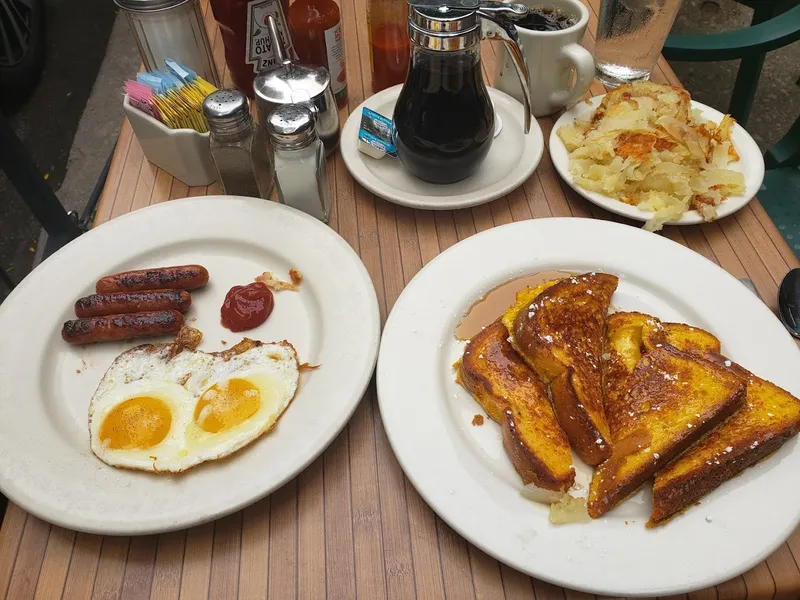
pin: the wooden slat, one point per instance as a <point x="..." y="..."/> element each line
<point x="29" y="559"/>
<point x="283" y="543"/>
<point x="110" y="568"/>
<point x="197" y="562"/>
<point x="759" y="582"/>
<point x="83" y="567"/>
<point x="311" y="533"/>
<point x="224" y="580"/>
<point x="784" y="572"/>
<point x="351" y="525"/>
<point x="255" y="550"/>
<point x="13" y="526"/>
<point x="57" y="555"/>
<point x="168" y="566"/>
<point x="138" y="579"/>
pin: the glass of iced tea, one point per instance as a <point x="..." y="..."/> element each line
<point x="630" y="36"/>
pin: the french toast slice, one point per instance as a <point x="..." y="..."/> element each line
<point x="560" y="335"/>
<point x="631" y="334"/>
<point x="769" y="418"/>
<point x="514" y="396"/>
<point x="683" y="337"/>
<point x="623" y="348"/>
<point x="672" y="400"/>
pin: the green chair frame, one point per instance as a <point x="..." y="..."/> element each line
<point x="751" y="44"/>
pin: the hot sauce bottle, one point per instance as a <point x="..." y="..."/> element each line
<point x="316" y="29"/>
<point x="248" y="46"/>
<point x="388" y="42"/>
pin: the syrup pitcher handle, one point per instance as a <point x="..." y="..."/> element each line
<point x="496" y="24"/>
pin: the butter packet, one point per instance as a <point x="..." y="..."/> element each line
<point x="375" y="135"/>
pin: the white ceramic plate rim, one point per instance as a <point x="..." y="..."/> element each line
<point x="750" y="158"/>
<point x="526" y="165"/>
<point x="35" y="477"/>
<point x="604" y="556"/>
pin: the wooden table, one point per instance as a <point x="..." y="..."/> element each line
<point x="351" y="525"/>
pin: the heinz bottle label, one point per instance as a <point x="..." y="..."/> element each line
<point x="260" y="52"/>
<point x="334" y="44"/>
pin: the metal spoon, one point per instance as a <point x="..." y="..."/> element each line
<point x="789" y="302"/>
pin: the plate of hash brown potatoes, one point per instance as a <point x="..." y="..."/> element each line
<point x="649" y="152"/>
<point x="622" y="423"/>
<point x="179" y="363"/>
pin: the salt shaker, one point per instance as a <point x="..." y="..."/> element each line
<point x="241" y="158"/>
<point x="299" y="160"/>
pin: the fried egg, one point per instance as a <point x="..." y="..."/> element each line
<point x="161" y="411"/>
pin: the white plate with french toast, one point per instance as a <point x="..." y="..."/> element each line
<point x="110" y="399"/>
<point x="585" y="342"/>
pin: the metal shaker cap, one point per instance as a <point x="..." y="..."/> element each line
<point x="227" y="111"/>
<point x="291" y="126"/>
<point x="148" y="5"/>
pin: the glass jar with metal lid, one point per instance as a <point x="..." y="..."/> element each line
<point x="240" y="156"/>
<point x="171" y="29"/>
<point x="444" y="119"/>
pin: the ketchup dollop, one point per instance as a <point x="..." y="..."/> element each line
<point x="247" y="306"/>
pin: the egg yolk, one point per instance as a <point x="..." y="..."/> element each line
<point x="136" y="424"/>
<point x="225" y="405"/>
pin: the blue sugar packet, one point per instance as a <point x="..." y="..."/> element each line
<point x="375" y="135"/>
<point x="185" y="74"/>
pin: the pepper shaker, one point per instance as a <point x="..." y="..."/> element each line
<point x="238" y="152"/>
<point x="299" y="160"/>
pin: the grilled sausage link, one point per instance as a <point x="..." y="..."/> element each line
<point x="113" y="328"/>
<point x="118" y="303"/>
<point x="186" y="277"/>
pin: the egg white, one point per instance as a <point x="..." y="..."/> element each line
<point x="179" y="382"/>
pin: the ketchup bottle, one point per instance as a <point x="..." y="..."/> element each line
<point x="316" y="29"/>
<point x="389" y="47"/>
<point x="248" y="46"/>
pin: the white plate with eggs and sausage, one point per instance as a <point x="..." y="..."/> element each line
<point x="148" y="435"/>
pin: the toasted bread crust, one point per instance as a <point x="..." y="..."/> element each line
<point x="532" y="467"/>
<point x="562" y="332"/>
<point x="769" y="417"/>
<point x="575" y="420"/>
<point x="674" y="399"/>
<point x="512" y="394"/>
<point x="685" y="338"/>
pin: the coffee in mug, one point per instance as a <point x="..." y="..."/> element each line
<point x="550" y="38"/>
<point x="546" y="19"/>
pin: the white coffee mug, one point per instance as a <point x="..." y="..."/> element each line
<point x="551" y="56"/>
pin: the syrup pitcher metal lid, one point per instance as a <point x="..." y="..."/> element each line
<point x="455" y="25"/>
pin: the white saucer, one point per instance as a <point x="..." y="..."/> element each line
<point x="511" y="160"/>
<point x="750" y="164"/>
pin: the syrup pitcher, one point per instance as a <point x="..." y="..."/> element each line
<point x="444" y="119"/>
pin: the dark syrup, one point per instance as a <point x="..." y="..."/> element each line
<point x="545" y="19"/>
<point x="444" y="121"/>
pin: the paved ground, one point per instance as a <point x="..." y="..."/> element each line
<point x="78" y="34"/>
<point x="71" y="122"/>
<point x="777" y="102"/>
